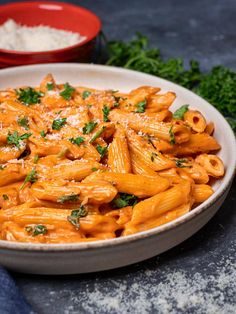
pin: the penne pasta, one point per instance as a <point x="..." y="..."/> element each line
<point x="118" y="153"/>
<point x="201" y="192"/>
<point x="195" y="120"/>
<point x="160" y="204"/>
<point x="79" y="164"/>
<point x="212" y="164"/>
<point x="139" y="185"/>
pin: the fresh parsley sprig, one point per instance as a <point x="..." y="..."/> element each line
<point x="50" y="86"/>
<point x="68" y="198"/>
<point x="218" y="86"/>
<point x="24" y="122"/>
<point x="75" y="216"/>
<point x="106" y="111"/>
<point x="77" y="140"/>
<point x="89" y="127"/>
<point x="86" y="94"/>
<point x="36" y="230"/>
<point x="57" y="124"/>
<point x="102" y="150"/>
<point x="97" y="134"/>
<point x="67" y="92"/>
<point x="123" y="200"/>
<point x="172" y="136"/>
<point x="31" y="177"/>
<point x="15" y="139"/>
<point x="29" y="96"/>
<point x="179" y="113"/>
<point x="141" y="106"/>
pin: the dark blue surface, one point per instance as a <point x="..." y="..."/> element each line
<point x="11" y="300"/>
<point x="198" y="276"/>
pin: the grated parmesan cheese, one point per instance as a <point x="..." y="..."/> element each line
<point x="18" y="37"/>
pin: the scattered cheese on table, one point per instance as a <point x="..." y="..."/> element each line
<point x="18" y="37"/>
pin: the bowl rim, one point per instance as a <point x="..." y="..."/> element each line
<point x="54" y="51"/>
<point x="103" y="244"/>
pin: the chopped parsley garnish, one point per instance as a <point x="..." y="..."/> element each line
<point x="105" y="111"/>
<point x="180" y="163"/>
<point x="36" y="230"/>
<point x="89" y="127"/>
<point x="50" y="86"/>
<point x="58" y="123"/>
<point x="77" y="140"/>
<point x="36" y="158"/>
<point x="86" y="94"/>
<point x="68" y="198"/>
<point x="97" y="134"/>
<point x="15" y="139"/>
<point x="75" y="216"/>
<point x="94" y="169"/>
<point x="31" y="177"/>
<point x="43" y="134"/>
<point x="29" y="96"/>
<point x="67" y="92"/>
<point x="102" y="150"/>
<point x="5" y="197"/>
<point x="60" y="111"/>
<point x="117" y="100"/>
<point x="172" y="136"/>
<point x="124" y="200"/>
<point x="141" y="106"/>
<point x="153" y="155"/>
<point x="179" y="113"/>
<point x="24" y="122"/>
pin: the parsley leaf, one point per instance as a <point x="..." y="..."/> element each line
<point x="15" y="139"/>
<point x="97" y="134"/>
<point x="102" y="150"/>
<point x="180" y="163"/>
<point x="77" y="140"/>
<point x="43" y="134"/>
<point x="58" y="123"/>
<point x="29" y="96"/>
<point x="36" y="230"/>
<point x="153" y="156"/>
<point x="67" y="92"/>
<point x="24" y="122"/>
<point x="68" y="198"/>
<point x="36" y="158"/>
<point x="86" y="94"/>
<point x="89" y="127"/>
<point x="5" y="197"/>
<point x="172" y="136"/>
<point x="141" y="106"/>
<point x="124" y="200"/>
<point x="105" y="111"/>
<point x="31" y="177"/>
<point x="75" y="216"/>
<point x="50" y="86"/>
<point x="94" y="169"/>
<point x="179" y="113"/>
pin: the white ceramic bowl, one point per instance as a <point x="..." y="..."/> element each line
<point x="108" y="254"/>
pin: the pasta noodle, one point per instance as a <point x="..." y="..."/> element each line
<point x="79" y="164"/>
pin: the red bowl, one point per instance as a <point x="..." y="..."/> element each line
<point x="54" y="14"/>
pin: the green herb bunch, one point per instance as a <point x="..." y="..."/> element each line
<point x="217" y="86"/>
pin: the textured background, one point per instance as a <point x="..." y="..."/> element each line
<point x="199" y="275"/>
